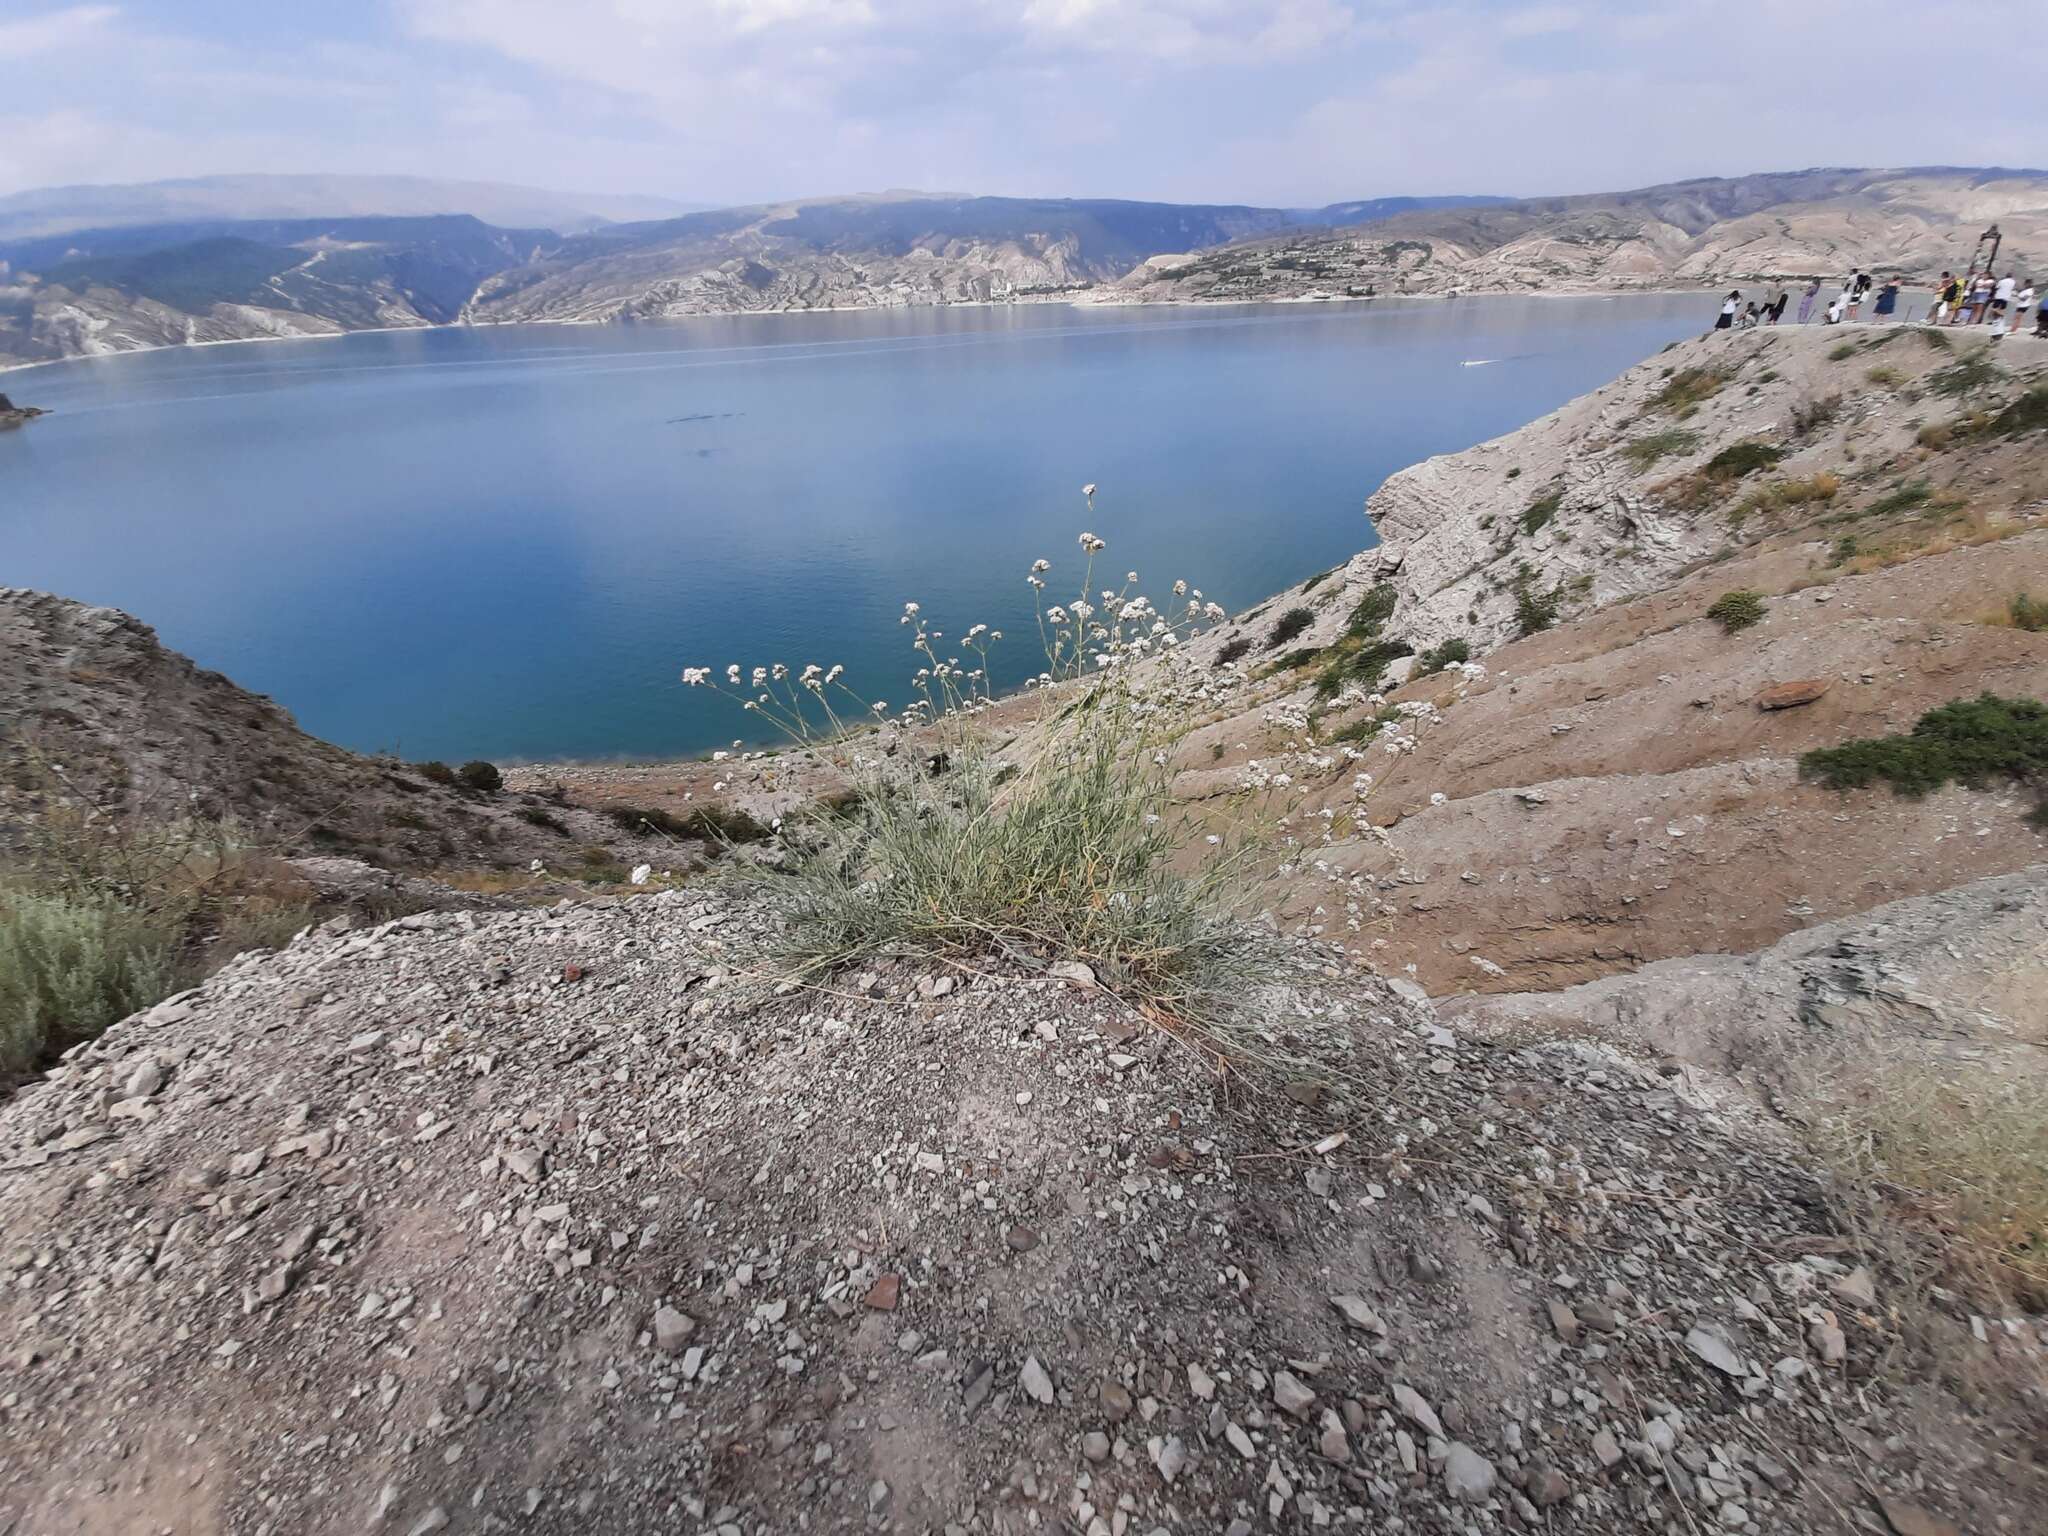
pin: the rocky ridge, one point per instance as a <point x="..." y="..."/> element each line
<point x="550" y="1221"/>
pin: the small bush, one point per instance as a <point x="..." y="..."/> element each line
<point x="703" y="823"/>
<point x="1542" y="510"/>
<point x="1373" y="611"/>
<point x="1688" y="389"/>
<point x="2029" y="413"/>
<point x="1935" y="435"/>
<point x="1299" y="657"/>
<point x="1233" y="650"/>
<point x="1937" y="341"/>
<point x="1841" y="352"/>
<point x="1740" y="459"/>
<point x="436" y="773"/>
<point x="1515" y="473"/>
<point x="1971" y="374"/>
<point x="2027" y="614"/>
<point x="1737" y="610"/>
<point x="1534" y="611"/>
<point x="1824" y="486"/>
<point x="1966" y="741"/>
<point x="69" y="967"/>
<point x="1646" y="451"/>
<point x="1809" y="416"/>
<point x="1900" y="499"/>
<point x="1888" y="377"/>
<point x="1366" y="727"/>
<point x="1450" y="653"/>
<point x="1290" y="624"/>
<point x="480" y="777"/>
<point x="1846" y="549"/>
<point x="547" y="821"/>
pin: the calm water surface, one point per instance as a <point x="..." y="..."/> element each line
<point x="506" y="542"/>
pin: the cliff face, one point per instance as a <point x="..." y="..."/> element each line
<point x="1699" y="234"/>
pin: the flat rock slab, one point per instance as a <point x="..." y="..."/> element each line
<point x="1791" y="695"/>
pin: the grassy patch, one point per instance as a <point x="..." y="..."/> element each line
<point x="1534" y="611"/>
<point x="1888" y="377"/>
<point x="1971" y="374"/>
<point x="1688" y="389"/>
<point x="1643" y="452"/>
<point x="1968" y="741"/>
<point x="1540" y="511"/>
<point x="2025" y="613"/>
<point x="1740" y="459"/>
<point x="1901" y="498"/>
<point x="701" y="823"/>
<point x="1935" y="340"/>
<point x="1363" y="729"/>
<point x="1288" y="626"/>
<point x="1842" y="352"/>
<point x="1737" y="610"/>
<point x="1450" y="653"/>
<point x="101" y="916"/>
<point x="1373" y="611"/>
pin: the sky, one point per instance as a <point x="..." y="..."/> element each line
<point x="1291" y="102"/>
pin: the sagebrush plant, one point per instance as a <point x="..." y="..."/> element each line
<point x="1068" y="849"/>
<point x="103" y="914"/>
<point x="1737" y="610"/>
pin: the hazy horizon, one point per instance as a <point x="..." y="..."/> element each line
<point x="1291" y="103"/>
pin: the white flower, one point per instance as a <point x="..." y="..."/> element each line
<point x="880" y="706"/>
<point x="1213" y="839"/>
<point x="696" y="677"/>
<point x="732" y="674"/>
<point x="1040" y="567"/>
<point x="640" y="873"/>
<point x="1091" y="543"/>
<point x="1180" y="589"/>
<point x="760" y="677"/>
<point x="719" y="757"/>
<point x="538" y="868"/>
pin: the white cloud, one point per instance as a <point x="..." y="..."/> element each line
<point x="73" y="27"/>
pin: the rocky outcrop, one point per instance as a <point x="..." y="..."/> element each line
<point x="1687" y="235"/>
<point x="12" y="415"/>
<point x="93" y="707"/>
<point x="546" y="1221"/>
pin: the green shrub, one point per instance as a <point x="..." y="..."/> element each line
<point x="1740" y="459"/>
<point x="1299" y="657"/>
<point x="1515" y="473"/>
<point x="1966" y="741"/>
<point x="1366" y="727"/>
<point x="1846" y="349"/>
<point x="2027" y="614"/>
<point x="1290" y="624"/>
<point x="1937" y="341"/>
<point x="1233" y="650"/>
<point x="547" y="821"/>
<point x="480" y="777"/>
<point x="435" y="773"/>
<point x="1449" y="653"/>
<point x="1542" y="510"/>
<point x="1889" y="377"/>
<point x="1737" y="610"/>
<point x="1688" y="389"/>
<point x="1971" y="374"/>
<point x="1075" y="851"/>
<point x="70" y="967"/>
<point x="1902" y="498"/>
<point x="1534" y="611"/>
<point x="703" y="823"/>
<point x="1846" y="549"/>
<point x="1646" y="451"/>
<point x="1373" y="611"/>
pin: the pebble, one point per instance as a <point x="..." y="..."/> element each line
<point x="1467" y="1474"/>
<point x="1291" y="1395"/>
<point x="1035" y="1381"/>
<point x="1095" y="1446"/>
<point x="672" y="1329"/>
<point x="1417" y="1411"/>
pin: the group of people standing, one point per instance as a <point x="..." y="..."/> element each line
<point x="1968" y="300"/>
<point x="1976" y="299"/>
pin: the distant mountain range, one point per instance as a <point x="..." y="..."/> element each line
<point x="253" y="256"/>
<point x="55" y="210"/>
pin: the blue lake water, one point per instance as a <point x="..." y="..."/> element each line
<point x="505" y="543"/>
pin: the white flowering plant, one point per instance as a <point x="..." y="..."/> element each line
<point x="1041" y="831"/>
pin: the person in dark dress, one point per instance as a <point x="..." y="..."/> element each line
<point x="1887" y="300"/>
<point x="1729" y="306"/>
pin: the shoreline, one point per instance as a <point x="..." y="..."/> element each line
<point x="1074" y="302"/>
